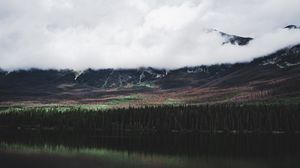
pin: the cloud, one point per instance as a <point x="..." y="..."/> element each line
<point x="79" y="34"/>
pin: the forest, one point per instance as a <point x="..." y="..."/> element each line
<point x="229" y="118"/>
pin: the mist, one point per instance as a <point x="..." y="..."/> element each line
<point x="80" y="34"/>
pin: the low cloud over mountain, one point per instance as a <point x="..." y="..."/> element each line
<point x="80" y="34"/>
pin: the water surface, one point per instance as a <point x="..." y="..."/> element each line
<point x="182" y="151"/>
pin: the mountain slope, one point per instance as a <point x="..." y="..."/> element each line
<point x="265" y="78"/>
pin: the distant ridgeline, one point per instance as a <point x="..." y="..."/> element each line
<point x="218" y="118"/>
<point x="271" y="77"/>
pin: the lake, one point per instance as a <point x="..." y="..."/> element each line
<point x="49" y="150"/>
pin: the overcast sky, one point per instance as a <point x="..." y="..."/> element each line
<point x="80" y="34"/>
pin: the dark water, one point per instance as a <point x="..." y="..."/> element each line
<point x="182" y="151"/>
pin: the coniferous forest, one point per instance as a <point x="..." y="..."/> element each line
<point x="217" y="118"/>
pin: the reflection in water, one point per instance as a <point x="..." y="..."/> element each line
<point x="203" y="150"/>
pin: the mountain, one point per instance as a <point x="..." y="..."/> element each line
<point x="272" y="77"/>
<point x="235" y="39"/>
<point x="232" y="39"/>
<point x="292" y="27"/>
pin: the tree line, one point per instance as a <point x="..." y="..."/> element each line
<point x="216" y="118"/>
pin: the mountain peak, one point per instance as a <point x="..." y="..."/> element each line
<point x="292" y="27"/>
<point x="232" y="39"/>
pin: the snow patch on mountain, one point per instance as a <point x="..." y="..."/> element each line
<point x="78" y="73"/>
<point x="197" y="69"/>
